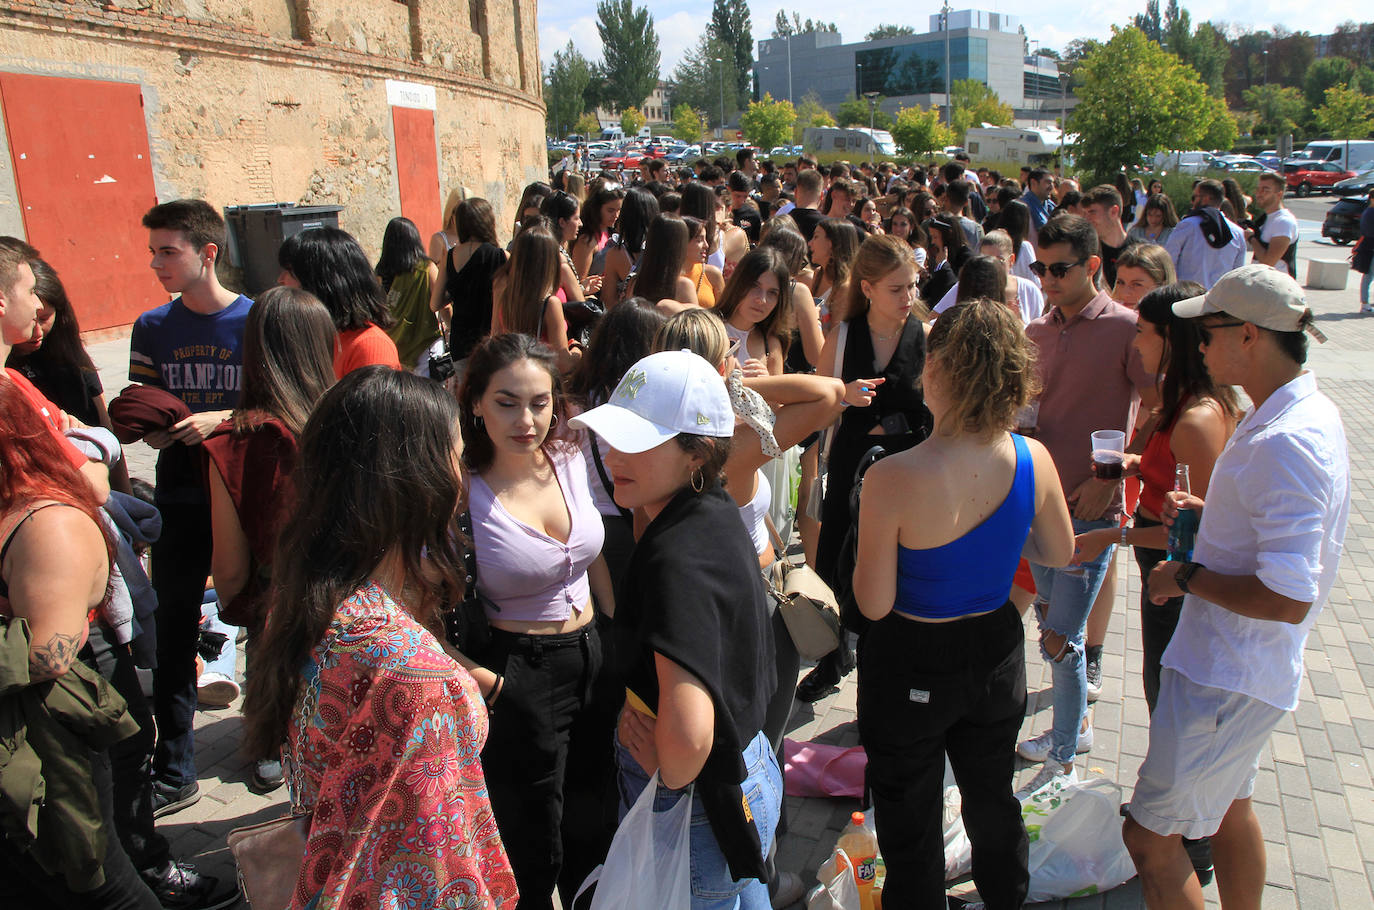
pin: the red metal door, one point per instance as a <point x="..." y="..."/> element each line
<point x="417" y="168"/>
<point x="85" y="178"/>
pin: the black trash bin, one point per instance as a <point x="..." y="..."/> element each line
<point x="256" y="233"/>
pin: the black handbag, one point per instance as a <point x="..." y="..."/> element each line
<point x="850" y="615"/>
<point x="466" y="625"/>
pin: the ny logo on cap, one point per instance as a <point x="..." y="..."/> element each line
<point x="632" y="383"/>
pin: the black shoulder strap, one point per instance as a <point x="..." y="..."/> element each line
<point x="605" y="478"/>
<point x="469" y="555"/>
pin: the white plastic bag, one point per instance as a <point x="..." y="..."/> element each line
<point x="784" y="478"/>
<point x="1075" y="839"/>
<point x="958" y="848"/>
<point x="837" y="889"/>
<point x="649" y="861"/>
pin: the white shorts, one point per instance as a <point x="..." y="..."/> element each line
<point x="1205" y="745"/>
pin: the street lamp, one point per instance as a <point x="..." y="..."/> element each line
<point x="720" y="63"/>
<point x="872" y="106"/>
<point x="789" y="67"/>
<point x="949" y="107"/>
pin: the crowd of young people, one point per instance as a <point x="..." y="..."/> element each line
<point x="496" y="523"/>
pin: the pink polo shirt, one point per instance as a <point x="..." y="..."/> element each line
<point x="1091" y="377"/>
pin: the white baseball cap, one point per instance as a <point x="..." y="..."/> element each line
<point x="1254" y="293"/>
<point x="662" y="395"/>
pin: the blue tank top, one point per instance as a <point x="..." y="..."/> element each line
<point x="973" y="573"/>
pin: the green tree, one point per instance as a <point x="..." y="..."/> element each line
<point x="886" y="30"/>
<point x="1324" y="73"/>
<point x="697" y="77"/>
<point x="783" y="27"/>
<point x="688" y="124"/>
<point x="565" y="89"/>
<point x="1135" y="99"/>
<point x="854" y="111"/>
<point x="631" y="121"/>
<point x="730" y="26"/>
<point x="918" y="131"/>
<point x="768" y="123"/>
<point x="1150" y="23"/>
<point x="1276" y="108"/>
<point x="810" y="112"/>
<point x="587" y="125"/>
<point x="1223" y="127"/>
<point x="1347" y="114"/>
<point x="629" y="51"/>
<point x="974" y="103"/>
<point x="1207" y="51"/>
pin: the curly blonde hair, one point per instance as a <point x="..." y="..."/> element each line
<point x="988" y="366"/>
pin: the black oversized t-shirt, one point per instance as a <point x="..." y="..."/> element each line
<point x="693" y="593"/>
<point x="806" y="220"/>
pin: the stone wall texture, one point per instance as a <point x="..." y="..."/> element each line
<point x="259" y="101"/>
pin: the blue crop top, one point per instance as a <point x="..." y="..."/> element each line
<point x="973" y="573"/>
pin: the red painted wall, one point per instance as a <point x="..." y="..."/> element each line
<point x="79" y="148"/>
<point x="417" y="168"/>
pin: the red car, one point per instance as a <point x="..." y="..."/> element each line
<point x="1318" y="176"/>
<point x="630" y="158"/>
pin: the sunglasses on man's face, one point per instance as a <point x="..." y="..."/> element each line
<point x="1057" y="269"/>
<point x="1204" y="332"/>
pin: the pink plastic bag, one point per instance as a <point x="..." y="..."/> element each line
<point x="815" y="769"/>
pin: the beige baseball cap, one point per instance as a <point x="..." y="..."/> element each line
<point x="1255" y="293"/>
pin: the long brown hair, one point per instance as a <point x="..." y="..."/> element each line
<point x="288" y="358"/>
<point x="376" y="479"/>
<point x="531" y="275"/>
<point x="660" y="266"/>
<point x="844" y="245"/>
<point x="878" y="256"/>
<point x="490" y="357"/>
<point x="756" y="263"/>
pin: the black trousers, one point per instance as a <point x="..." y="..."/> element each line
<point x="927" y="690"/>
<point x="549" y="680"/>
<point x="181" y="565"/>
<point x="24" y="884"/>
<point x="1157" y="621"/>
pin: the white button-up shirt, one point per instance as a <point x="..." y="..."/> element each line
<point x="1276" y="508"/>
<point x="1197" y="260"/>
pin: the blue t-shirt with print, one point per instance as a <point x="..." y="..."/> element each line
<point x="198" y="358"/>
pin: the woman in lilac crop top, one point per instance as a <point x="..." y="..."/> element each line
<point x="538" y="537"/>
<point x="941" y="528"/>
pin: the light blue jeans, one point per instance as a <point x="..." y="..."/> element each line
<point x="1063" y="599"/>
<point x="1365" y="280"/>
<point x="713" y="888"/>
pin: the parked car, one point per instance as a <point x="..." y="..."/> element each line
<point x="1342" y="222"/>
<point x="1270" y="159"/>
<point x="1359" y="185"/>
<point x="1318" y="176"/>
<point x="628" y="158"/>
<point x="1242" y="164"/>
<point x="685" y="154"/>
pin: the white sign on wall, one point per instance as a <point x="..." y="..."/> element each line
<point x="410" y="94"/>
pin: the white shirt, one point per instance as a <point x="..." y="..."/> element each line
<point x="1276" y="508"/>
<point x="1197" y="260"/>
<point x="1028" y="297"/>
<point x="1021" y="268"/>
<point x="786" y="207"/>
<point x="1280" y="224"/>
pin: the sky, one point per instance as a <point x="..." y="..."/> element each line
<point x="1053" y="24"/>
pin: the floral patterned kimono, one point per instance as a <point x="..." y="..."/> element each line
<point x="384" y="747"/>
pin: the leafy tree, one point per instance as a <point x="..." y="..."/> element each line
<point x="629" y="50"/>
<point x="974" y="103"/>
<point x="1150" y="23"/>
<point x="1208" y="52"/>
<point x="730" y="26"/>
<point x="855" y="112"/>
<point x="1223" y="128"/>
<point x="565" y="88"/>
<point x="768" y="123"/>
<point x="697" y="77"/>
<point x="810" y="113"/>
<point x="631" y="121"/>
<point x="1347" y="113"/>
<point x="688" y="124"/>
<point x="1049" y="52"/>
<point x="588" y="125"/>
<point x="1135" y="99"/>
<point x="1290" y="54"/>
<point x="889" y="31"/>
<point x="1277" y="109"/>
<point x="783" y="27"/>
<point x="1353" y="41"/>
<point x="918" y="131"/>
<point x="1079" y="48"/>
<point x="1324" y="73"/>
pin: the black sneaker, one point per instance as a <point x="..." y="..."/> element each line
<point x="168" y="799"/>
<point x="819" y="683"/>
<point x="179" y="886"/>
<point x="1200" y="853"/>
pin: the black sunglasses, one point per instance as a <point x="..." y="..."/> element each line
<point x="1057" y="269"/>
<point x="1204" y="332"/>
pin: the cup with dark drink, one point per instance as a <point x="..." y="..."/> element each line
<point x="1109" y="448"/>
<point x="1028" y="419"/>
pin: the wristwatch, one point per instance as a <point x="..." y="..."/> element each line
<point x="1124" y="529"/>
<point x="1185" y="573"/>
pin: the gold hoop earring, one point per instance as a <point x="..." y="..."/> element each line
<point x="554" y="422"/>
<point x="698" y="480"/>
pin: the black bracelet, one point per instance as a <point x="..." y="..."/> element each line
<point x="495" y="692"/>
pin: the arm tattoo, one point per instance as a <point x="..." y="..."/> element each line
<point x="53" y="659"/>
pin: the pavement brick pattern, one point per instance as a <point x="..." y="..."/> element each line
<point x="1315" y="792"/>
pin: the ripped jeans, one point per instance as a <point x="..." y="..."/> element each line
<point x="1064" y="598"/>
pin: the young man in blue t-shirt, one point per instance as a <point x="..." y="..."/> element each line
<point x="193" y="348"/>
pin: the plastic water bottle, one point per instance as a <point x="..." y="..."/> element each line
<point x="861" y="846"/>
<point x="1184" y="529"/>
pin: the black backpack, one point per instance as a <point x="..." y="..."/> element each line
<point x="850" y="616"/>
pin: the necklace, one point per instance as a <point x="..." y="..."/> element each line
<point x="879" y="336"/>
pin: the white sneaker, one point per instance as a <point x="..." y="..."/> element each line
<point x="1048" y="772"/>
<point x="215" y="690"/>
<point x="1037" y="748"/>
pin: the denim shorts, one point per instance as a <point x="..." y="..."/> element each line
<point x="713" y="888"/>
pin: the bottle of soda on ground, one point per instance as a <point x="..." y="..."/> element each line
<point x="1184" y="529"/>
<point x="860" y="845"/>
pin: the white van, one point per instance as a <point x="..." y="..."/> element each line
<point x="1334" y="152"/>
<point x="1185" y="162"/>
<point x="1035" y="147"/>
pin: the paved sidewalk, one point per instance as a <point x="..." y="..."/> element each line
<point x="1314" y="796"/>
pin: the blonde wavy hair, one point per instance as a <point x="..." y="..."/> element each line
<point x="988" y="366"/>
<point x="697" y="330"/>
